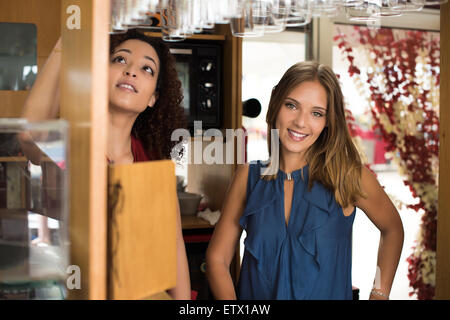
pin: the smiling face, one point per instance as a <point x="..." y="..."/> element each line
<point x="133" y="74"/>
<point x="302" y="117"/>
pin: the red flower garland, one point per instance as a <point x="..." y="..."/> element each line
<point x="398" y="61"/>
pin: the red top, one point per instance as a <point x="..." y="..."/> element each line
<point x="139" y="153"/>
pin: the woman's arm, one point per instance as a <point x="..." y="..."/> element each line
<point x="380" y="210"/>
<point x="42" y="102"/>
<point x="182" y="290"/>
<point x="226" y="234"/>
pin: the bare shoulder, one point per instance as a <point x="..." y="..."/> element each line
<point x="241" y="172"/>
<point x="227" y="231"/>
<point x="235" y="200"/>
<point x="369" y="181"/>
<point x="374" y="195"/>
<point x="239" y="182"/>
<point x="376" y="204"/>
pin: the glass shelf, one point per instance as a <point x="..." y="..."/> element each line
<point x="34" y="216"/>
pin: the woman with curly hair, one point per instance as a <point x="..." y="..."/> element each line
<point x="146" y="94"/>
<point x="144" y="108"/>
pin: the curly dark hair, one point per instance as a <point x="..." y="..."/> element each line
<point x="154" y="126"/>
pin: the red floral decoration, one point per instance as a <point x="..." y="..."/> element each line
<point x="395" y="92"/>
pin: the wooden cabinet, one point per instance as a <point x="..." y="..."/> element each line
<point x="142" y="207"/>
<point x="84" y="104"/>
<point x="45" y="14"/>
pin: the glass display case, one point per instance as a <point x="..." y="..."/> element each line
<point x="34" y="216"/>
<point x="18" y="56"/>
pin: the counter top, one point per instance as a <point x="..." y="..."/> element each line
<point x="194" y="222"/>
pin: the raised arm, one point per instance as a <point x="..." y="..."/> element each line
<point x="226" y="234"/>
<point x="381" y="211"/>
<point x="42" y="102"/>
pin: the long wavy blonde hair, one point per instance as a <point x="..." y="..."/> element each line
<point x="333" y="159"/>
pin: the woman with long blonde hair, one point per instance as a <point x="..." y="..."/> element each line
<point x="299" y="218"/>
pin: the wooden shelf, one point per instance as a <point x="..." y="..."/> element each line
<point x="219" y="37"/>
<point x="13" y="159"/>
<point x="159" y="296"/>
<point x="194" y="222"/>
<point x="22" y="159"/>
<point x="13" y="213"/>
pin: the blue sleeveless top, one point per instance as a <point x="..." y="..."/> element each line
<point x="310" y="257"/>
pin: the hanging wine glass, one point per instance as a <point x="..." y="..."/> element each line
<point x="246" y="24"/>
<point x="185" y="15"/>
<point x="171" y="22"/>
<point x="208" y="13"/>
<point x="364" y="12"/>
<point x="179" y="19"/>
<point x="262" y="12"/>
<point x="300" y="13"/>
<point x="115" y="24"/>
<point x="150" y="13"/>
<point x="133" y="17"/>
<point x="410" y="5"/>
<point x="325" y="8"/>
<point x="121" y="13"/>
<point x="195" y="18"/>
<point x="227" y="9"/>
<point x="348" y="3"/>
<point x="279" y="12"/>
<point x="388" y="8"/>
<point x="433" y="2"/>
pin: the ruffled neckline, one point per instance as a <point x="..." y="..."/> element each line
<point x="296" y="174"/>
